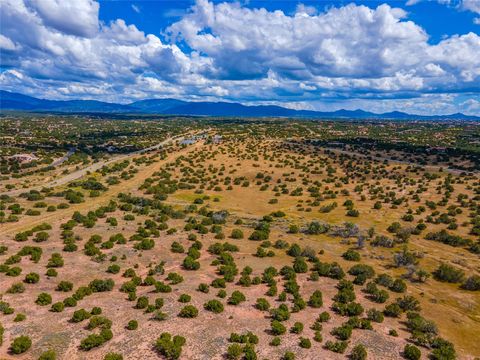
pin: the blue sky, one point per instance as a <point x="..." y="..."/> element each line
<point x="417" y="56"/>
<point x="438" y="19"/>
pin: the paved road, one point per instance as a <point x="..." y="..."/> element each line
<point x="93" y="167"/>
<point x="64" y="158"/>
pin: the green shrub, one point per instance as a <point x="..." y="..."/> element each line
<point x="113" y="356"/>
<point x="80" y="315"/>
<point x="288" y="356"/>
<point x="262" y="304"/>
<point x="392" y="310"/>
<point x="94" y="340"/>
<point x="343" y="332"/>
<point x="375" y="315"/>
<point x="297" y="328"/>
<point x="316" y="300"/>
<point x="132" y="325"/>
<point x="44" y="299"/>
<point x="20" y="344"/>
<point x="188" y="311"/>
<point x="184" y="298"/>
<point x="358" y="352"/>
<point x="411" y="352"/>
<point x="336" y="346"/>
<point x="214" y="306"/>
<point x="20" y="317"/>
<point x="99" y="322"/>
<point x="64" y="286"/>
<point x="48" y="355"/>
<point x="237" y="234"/>
<point x="51" y="273"/>
<point x="16" y="288"/>
<point x="32" y="278"/>
<point x="447" y="273"/>
<point x="236" y="298"/>
<point x="351" y="255"/>
<point x="57" y="307"/>
<point x="234" y="352"/>
<point x="55" y="261"/>
<point x="472" y="283"/>
<point x="299" y="265"/>
<point x="142" y="302"/>
<point x="305" y="343"/>
<point x="99" y="285"/>
<point x="170" y="347"/>
<point x="324" y="317"/>
<point x="278" y="328"/>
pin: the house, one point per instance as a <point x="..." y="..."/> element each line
<point x="188" y="141"/>
<point x="23" y="158"/>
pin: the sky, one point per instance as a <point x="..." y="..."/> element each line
<point x="416" y="56"/>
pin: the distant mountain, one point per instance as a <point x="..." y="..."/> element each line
<point x="15" y="101"/>
<point x="157" y="105"/>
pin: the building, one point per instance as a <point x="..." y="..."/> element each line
<point x="23" y="158"/>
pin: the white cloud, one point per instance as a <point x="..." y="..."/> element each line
<point x="305" y="9"/>
<point x="471" y="5"/>
<point x="380" y="50"/>
<point x="6" y="44"/>
<point x="79" y="17"/>
<point x="412" y="2"/>
<point x="237" y="53"/>
<point x="136" y="9"/>
<point x="472" y="105"/>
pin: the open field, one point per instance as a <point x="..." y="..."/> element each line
<point x="323" y="239"/>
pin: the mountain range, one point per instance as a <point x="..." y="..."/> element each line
<point x="20" y="102"/>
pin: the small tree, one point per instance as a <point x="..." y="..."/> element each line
<point x="358" y="353"/>
<point x="234" y="352"/>
<point x="278" y="328"/>
<point x="132" y="325"/>
<point x="48" y="355"/>
<point x="20" y="344"/>
<point x="170" y="347"/>
<point x="237" y="234"/>
<point x="262" y="304"/>
<point x="113" y="356"/>
<point x="305" y="343"/>
<point x="297" y="328"/>
<point x="44" y="299"/>
<point x="236" y="298"/>
<point x="316" y="300"/>
<point x="188" y="311"/>
<point x="411" y="352"/>
<point x="214" y="306"/>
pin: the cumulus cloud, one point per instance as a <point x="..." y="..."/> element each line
<point x="79" y="17"/>
<point x="471" y="5"/>
<point x="305" y="9"/>
<point x="60" y="49"/>
<point x="6" y="44"/>
<point x="381" y="50"/>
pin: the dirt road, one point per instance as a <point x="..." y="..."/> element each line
<point x="93" y="167"/>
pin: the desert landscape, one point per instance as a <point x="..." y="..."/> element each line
<point x="247" y="238"/>
<point x="239" y="179"/>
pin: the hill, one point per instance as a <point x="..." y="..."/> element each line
<point x="16" y="101"/>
